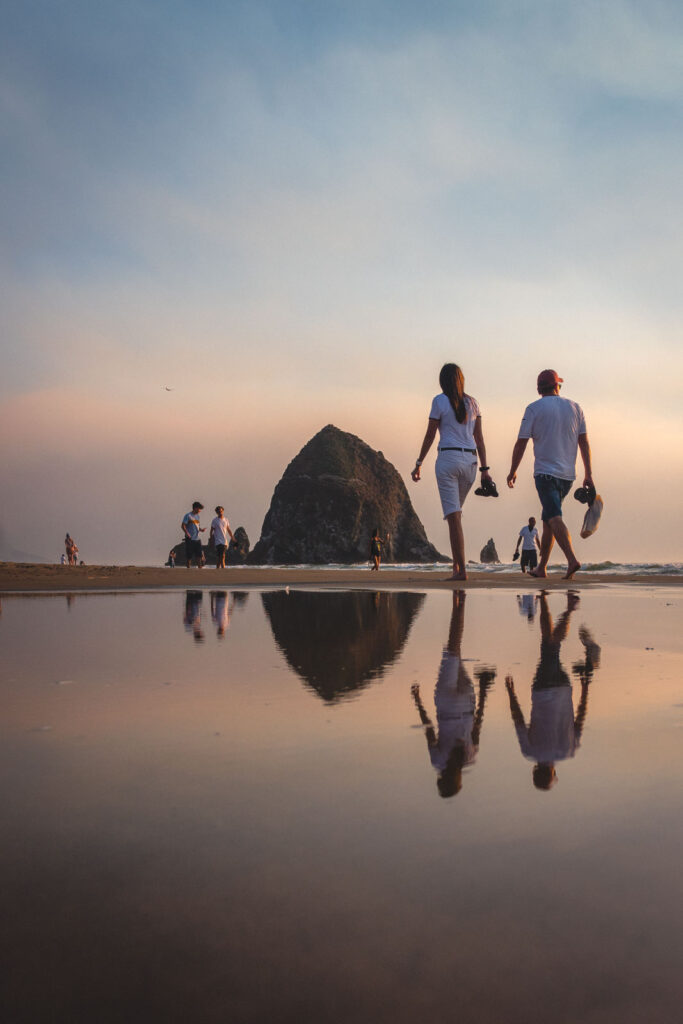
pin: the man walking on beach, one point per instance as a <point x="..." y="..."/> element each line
<point x="192" y="529"/>
<point x="528" y="535"/>
<point x="558" y="427"/>
<point x="220" y="530"/>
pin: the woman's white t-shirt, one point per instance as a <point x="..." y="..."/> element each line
<point x="451" y="433"/>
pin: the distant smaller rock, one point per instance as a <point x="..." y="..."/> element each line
<point x="238" y="549"/>
<point x="488" y="554"/>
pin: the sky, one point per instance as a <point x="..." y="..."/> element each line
<point x="292" y="214"/>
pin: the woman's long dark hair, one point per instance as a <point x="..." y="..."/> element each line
<point x="453" y="386"/>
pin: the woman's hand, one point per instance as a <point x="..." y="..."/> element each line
<point x="486" y="475"/>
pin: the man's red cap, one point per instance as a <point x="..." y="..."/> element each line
<point x="548" y="379"/>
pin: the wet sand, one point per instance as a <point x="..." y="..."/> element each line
<point x="260" y="818"/>
<point x="17" y="577"/>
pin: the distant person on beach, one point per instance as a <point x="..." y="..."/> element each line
<point x="528" y="535"/>
<point x="71" y="550"/>
<point x="558" y="427"/>
<point x="170" y="562"/>
<point x="375" y="551"/>
<point x="63" y="559"/>
<point x="191" y="528"/>
<point x="454" y="743"/>
<point x="458" y="419"/>
<point x="220" y="531"/>
<point x="554" y="732"/>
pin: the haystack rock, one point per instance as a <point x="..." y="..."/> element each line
<point x="238" y="550"/>
<point x="489" y="554"/>
<point x="331" y="497"/>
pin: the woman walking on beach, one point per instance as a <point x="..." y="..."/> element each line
<point x="457" y="418"/>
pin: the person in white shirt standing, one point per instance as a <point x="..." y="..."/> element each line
<point x="527" y="536"/>
<point x="220" y="531"/>
<point x="457" y="417"/>
<point x="558" y="428"/>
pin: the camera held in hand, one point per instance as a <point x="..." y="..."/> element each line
<point x="487" y="489"/>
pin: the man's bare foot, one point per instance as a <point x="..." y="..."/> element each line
<point x="538" y="574"/>
<point x="571" y="569"/>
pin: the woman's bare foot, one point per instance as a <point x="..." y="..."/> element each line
<point x="571" y="569"/>
<point x="539" y="574"/>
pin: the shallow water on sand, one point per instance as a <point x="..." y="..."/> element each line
<point x="272" y="806"/>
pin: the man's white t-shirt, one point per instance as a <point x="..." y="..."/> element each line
<point x="451" y="433"/>
<point x="527" y="536"/>
<point x="555" y="424"/>
<point x="550" y="736"/>
<point x="220" y="529"/>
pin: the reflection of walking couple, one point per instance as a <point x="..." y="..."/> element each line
<point x="453" y="744"/>
<point x="554" y="732"/>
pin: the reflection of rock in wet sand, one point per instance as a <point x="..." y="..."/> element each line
<point x="339" y="643"/>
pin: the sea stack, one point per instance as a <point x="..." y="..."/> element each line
<point x="331" y="497"/>
<point x="488" y="553"/>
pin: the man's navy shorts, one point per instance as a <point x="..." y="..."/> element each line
<point x="529" y="559"/>
<point x="193" y="549"/>
<point x="552" y="491"/>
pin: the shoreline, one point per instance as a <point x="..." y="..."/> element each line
<point x="21" y="577"/>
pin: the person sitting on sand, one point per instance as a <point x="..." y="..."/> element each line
<point x="454" y="743"/>
<point x="220" y="530"/>
<point x="527" y="536"/>
<point x="557" y="426"/>
<point x="554" y="732"/>
<point x="457" y="418"/>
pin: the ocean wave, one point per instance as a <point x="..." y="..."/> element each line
<point x="615" y="568"/>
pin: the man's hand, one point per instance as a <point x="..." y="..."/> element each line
<point x="202" y="529"/>
<point x="511" y="479"/>
<point x="416" y="474"/>
<point x="588" y="481"/>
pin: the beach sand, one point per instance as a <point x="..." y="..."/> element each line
<point x="16" y="577"/>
